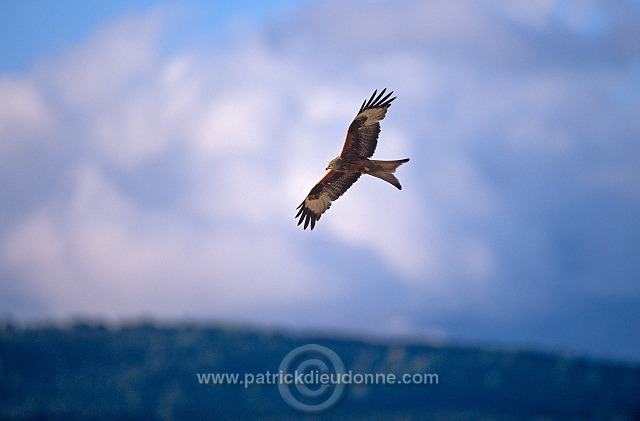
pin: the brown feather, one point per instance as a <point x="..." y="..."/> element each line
<point x="362" y="135"/>
<point x="359" y="145"/>
<point x="319" y="199"/>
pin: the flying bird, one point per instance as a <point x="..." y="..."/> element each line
<point x="353" y="161"/>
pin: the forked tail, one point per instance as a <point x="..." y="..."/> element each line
<point x="385" y="169"/>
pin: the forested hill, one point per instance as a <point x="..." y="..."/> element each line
<point x="146" y="372"/>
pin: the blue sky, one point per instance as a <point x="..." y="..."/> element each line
<point x="152" y="155"/>
<point x="35" y="29"/>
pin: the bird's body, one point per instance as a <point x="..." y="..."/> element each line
<point x="344" y="170"/>
<point x="380" y="169"/>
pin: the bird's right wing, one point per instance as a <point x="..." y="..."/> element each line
<point x="319" y="199"/>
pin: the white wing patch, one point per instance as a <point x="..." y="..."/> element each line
<point x="373" y="115"/>
<point x="319" y="199"/>
<point x="319" y="205"/>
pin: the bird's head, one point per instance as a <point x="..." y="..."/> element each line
<point x="334" y="164"/>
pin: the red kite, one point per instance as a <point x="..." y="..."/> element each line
<point x="361" y="142"/>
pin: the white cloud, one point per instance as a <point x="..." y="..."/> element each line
<point x="107" y="65"/>
<point x="238" y="122"/>
<point x="506" y="134"/>
<point x="25" y="114"/>
<point x="100" y="254"/>
<point x="536" y="13"/>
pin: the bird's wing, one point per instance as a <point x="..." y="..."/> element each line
<point x="319" y="199"/>
<point x="362" y="136"/>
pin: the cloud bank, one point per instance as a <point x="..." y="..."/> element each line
<point x="143" y="180"/>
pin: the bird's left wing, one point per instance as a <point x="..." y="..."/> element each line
<point x="319" y="199"/>
<point x="362" y="136"/>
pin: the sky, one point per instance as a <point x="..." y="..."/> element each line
<point x="152" y="155"/>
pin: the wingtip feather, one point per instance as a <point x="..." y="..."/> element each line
<point x="307" y="216"/>
<point x="377" y="100"/>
